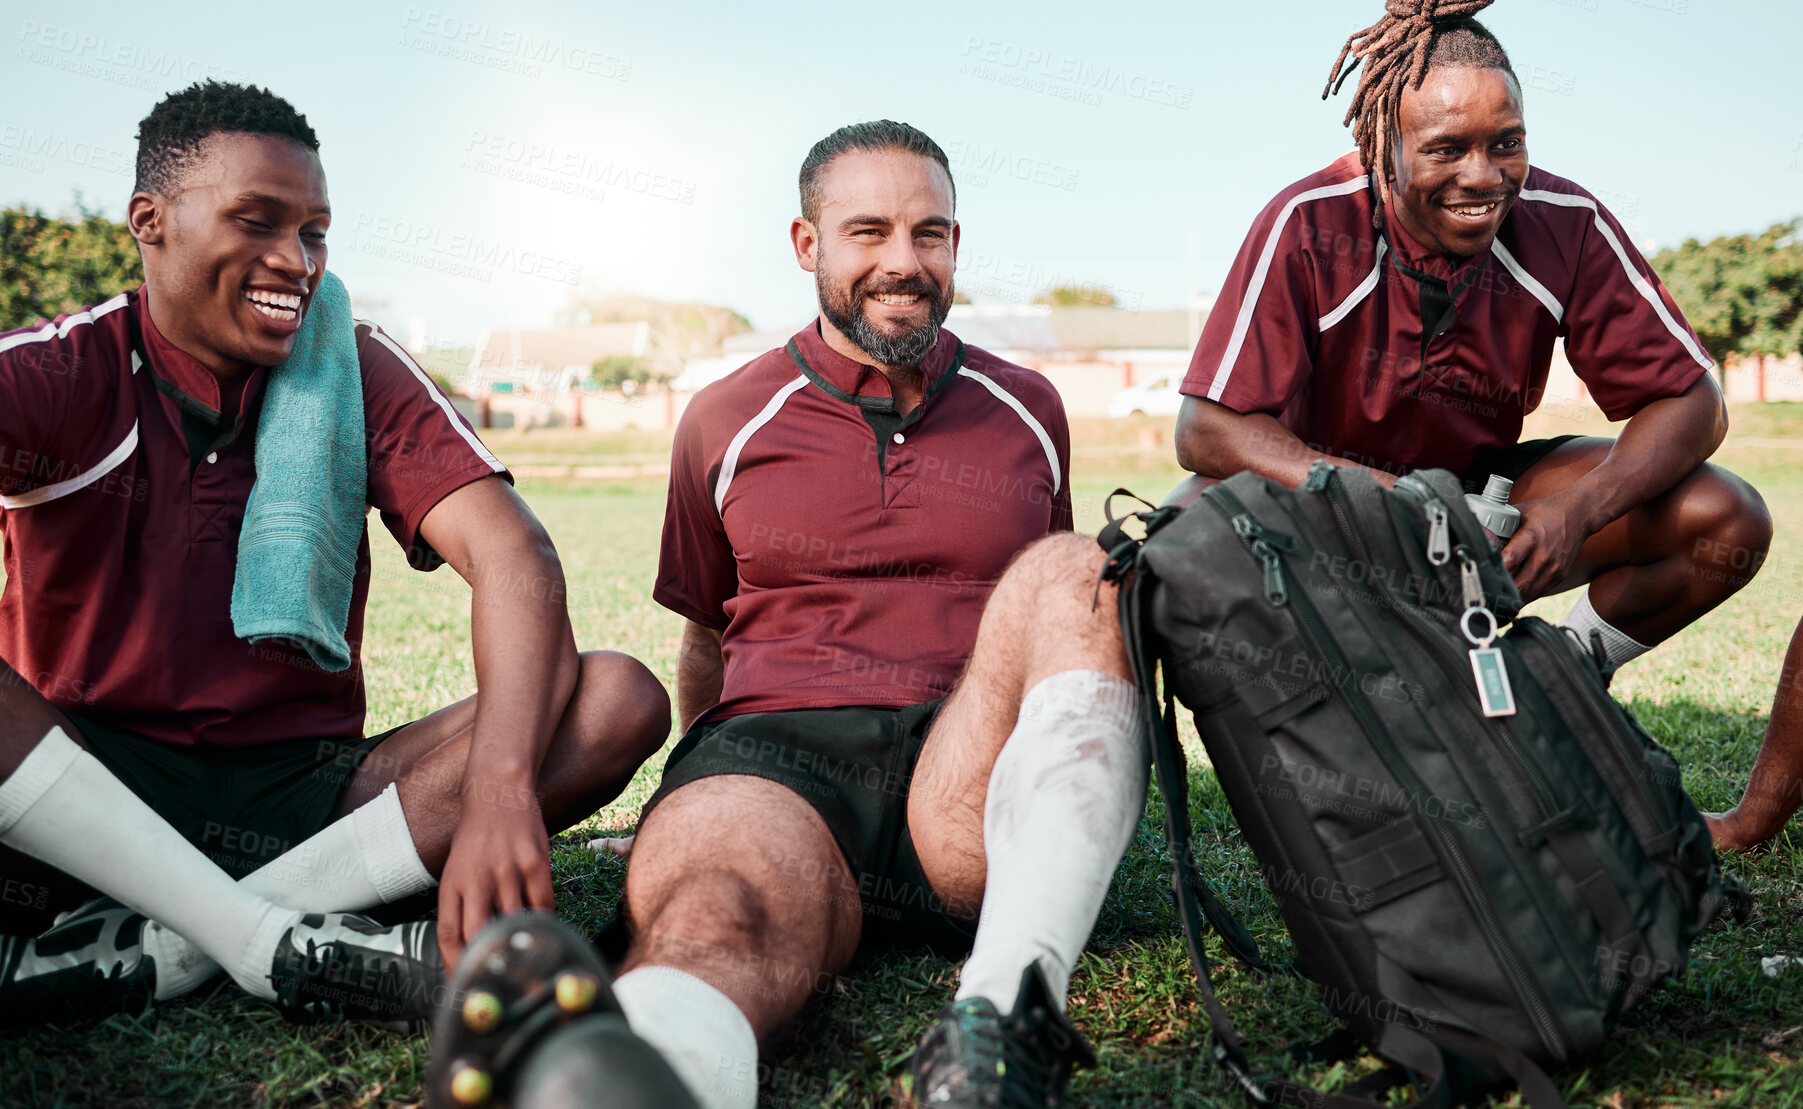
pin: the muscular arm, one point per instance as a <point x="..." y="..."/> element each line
<point x="526" y="669"/>
<point x="700" y="672"/>
<point x="1659" y="445"/>
<point x="1214" y="441"/>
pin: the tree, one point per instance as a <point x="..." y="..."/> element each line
<point x="623" y="371"/>
<point x="1742" y="294"/>
<point x="50" y="266"/>
<point x="1076" y="296"/>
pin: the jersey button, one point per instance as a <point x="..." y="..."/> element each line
<point x="897" y="437"/>
<point x="213" y="457"/>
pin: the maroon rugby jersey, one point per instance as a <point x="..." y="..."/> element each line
<point x="1317" y="325"/>
<point x="846" y="553"/>
<point x="121" y="547"/>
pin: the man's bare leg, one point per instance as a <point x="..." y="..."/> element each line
<point x="1661" y="566"/>
<point x="742" y="909"/>
<point x="1775" y="787"/>
<point x="1027" y="794"/>
<point x="394" y="845"/>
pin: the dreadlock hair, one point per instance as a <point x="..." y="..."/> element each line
<point x="882" y="134"/>
<point x="1413" y="37"/>
<point x="170" y="138"/>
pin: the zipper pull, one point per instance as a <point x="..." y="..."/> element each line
<point x="1470" y="586"/>
<point x="1439" y="535"/>
<point x="1274" y="587"/>
<point x="1317" y="476"/>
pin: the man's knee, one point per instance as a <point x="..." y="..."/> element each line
<point x="618" y="701"/>
<point x="709" y="915"/>
<point x="1055" y="567"/>
<point x="1726" y="526"/>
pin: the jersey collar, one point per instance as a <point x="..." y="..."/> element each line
<point x="856" y="383"/>
<point x="178" y="373"/>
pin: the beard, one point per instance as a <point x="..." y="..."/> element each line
<point x="901" y="344"/>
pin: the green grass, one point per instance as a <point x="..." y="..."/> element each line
<point x="1725" y="1035"/>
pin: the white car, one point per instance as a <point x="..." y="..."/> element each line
<point x="1155" y="397"/>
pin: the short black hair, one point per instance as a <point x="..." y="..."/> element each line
<point x="882" y="134"/>
<point x="171" y="136"/>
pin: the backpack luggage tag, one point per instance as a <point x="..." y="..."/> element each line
<point x="1487" y="665"/>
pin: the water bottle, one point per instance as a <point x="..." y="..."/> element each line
<point x="1492" y="507"/>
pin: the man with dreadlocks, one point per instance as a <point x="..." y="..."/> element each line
<point x="1399" y="309"/>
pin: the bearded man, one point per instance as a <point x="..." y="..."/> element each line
<point x="905" y="701"/>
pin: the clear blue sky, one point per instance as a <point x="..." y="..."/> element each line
<point x="480" y="160"/>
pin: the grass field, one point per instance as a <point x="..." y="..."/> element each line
<point x="1725" y="1035"/>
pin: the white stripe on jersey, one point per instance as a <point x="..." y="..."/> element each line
<point x="1051" y="452"/>
<point x="1573" y="200"/>
<point x="1359" y="294"/>
<point x="450" y="413"/>
<point x="1250" y="300"/>
<point x="50" y="330"/>
<point x="729" y="465"/>
<point x="79" y="481"/>
<point x="1527" y="280"/>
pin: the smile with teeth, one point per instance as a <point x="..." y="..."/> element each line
<point x="281" y="307"/>
<point x="898" y="299"/>
<point x="1472" y="211"/>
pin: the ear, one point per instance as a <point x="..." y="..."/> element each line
<point x="144" y="216"/>
<point x="805" y="238"/>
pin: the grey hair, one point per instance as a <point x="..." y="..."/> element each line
<point x="882" y="134"/>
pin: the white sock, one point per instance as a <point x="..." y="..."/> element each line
<point x="363" y="859"/>
<point x="698" y="1030"/>
<point x="1617" y="646"/>
<point x="1064" y="801"/>
<point x="62" y="806"/>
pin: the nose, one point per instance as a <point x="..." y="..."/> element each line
<point x="1480" y="173"/>
<point x="289" y="258"/>
<point x="899" y="258"/>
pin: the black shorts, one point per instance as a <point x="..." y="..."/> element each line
<point x="853" y="765"/>
<point x="241" y="806"/>
<point x="1509" y="462"/>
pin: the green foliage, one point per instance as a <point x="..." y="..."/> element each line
<point x="1743" y="294"/>
<point x="1076" y="296"/>
<point x="49" y="266"/>
<point x="617" y="370"/>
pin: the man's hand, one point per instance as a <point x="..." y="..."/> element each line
<point x="1543" y="550"/>
<point x="500" y="863"/>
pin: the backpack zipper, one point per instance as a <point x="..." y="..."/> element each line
<point x="1451" y="848"/>
<point x="1447" y="657"/>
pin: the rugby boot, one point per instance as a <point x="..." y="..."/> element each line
<point x="344" y="966"/>
<point x="975" y="1058"/>
<point x="90" y="964"/>
<point x="530" y="1022"/>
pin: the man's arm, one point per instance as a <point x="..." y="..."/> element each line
<point x="1214" y="441"/>
<point x="1659" y="445"/>
<point x="700" y="672"/>
<point x="526" y="669"/>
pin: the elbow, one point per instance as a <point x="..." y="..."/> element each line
<point x="1201" y="444"/>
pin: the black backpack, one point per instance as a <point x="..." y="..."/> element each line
<point x="1482" y="859"/>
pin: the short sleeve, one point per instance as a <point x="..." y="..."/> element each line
<point x="63" y="416"/>
<point x="1625" y="337"/>
<point x="696" y="571"/>
<point x="1062" y="514"/>
<point x="1254" y="353"/>
<point x="420" y="449"/>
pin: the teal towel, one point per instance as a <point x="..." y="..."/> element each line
<point x="297" y="554"/>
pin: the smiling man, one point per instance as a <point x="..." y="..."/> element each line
<point x="904" y="697"/>
<point x="150" y="753"/>
<point x="1400" y="308"/>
